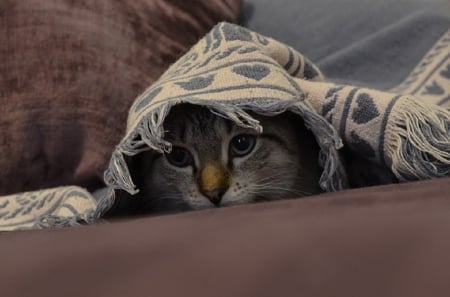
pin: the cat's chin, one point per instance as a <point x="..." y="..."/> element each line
<point x="225" y="203"/>
<point x="236" y="201"/>
<point x="259" y="199"/>
<point x="200" y="206"/>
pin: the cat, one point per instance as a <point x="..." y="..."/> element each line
<point x="215" y="163"/>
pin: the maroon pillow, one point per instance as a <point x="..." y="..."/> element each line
<point x="71" y="69"/>
<point x="377" y="241"/>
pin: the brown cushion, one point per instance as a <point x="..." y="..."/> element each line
<point x="71" y="69"/>
<point x="380" y="241"/>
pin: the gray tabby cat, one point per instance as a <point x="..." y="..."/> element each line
<point x="215" y="163"/>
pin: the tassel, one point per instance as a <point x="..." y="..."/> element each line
<point x="117" y="175"/>
<point x="418" y="140"/>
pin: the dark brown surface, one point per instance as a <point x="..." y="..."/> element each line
<point x="69" y="71"/>
<point x="380" y="241"/>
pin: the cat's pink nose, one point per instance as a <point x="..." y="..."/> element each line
<point x="215" y="196"/>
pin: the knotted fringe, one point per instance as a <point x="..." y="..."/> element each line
<point x="149" y="135"/>
<point x="146" y="136"/>
<point x="334" y="176"/>
<point x="418" y="140"/>
<point x="117" y="175"/>
<point x="53" y="221"/>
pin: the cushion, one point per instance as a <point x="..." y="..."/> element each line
<point x="378" y="241"/>
<point x="71" y="69"/>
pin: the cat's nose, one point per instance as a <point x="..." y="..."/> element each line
<point x="215" y="196"/>
<point x="213" y="182"/>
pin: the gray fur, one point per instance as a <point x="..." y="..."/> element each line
<point x="283" y="163"/>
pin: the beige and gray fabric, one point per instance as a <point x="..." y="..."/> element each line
<point x="233" y="70"/>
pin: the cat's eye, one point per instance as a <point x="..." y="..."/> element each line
<point x="179" y="157"/>
<point x="242" y="145"/>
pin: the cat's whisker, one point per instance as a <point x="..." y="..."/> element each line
<point x="268" y="183"/>
<point x="281" y="173"/>
<point x="270" y="187"/>
<point x="274" y="176"/>
<point x="263" y="185"/>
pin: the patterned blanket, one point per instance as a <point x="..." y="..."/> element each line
<point x="232" y="70"/>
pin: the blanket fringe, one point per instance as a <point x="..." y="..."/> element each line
<point x="150" y="132"/>
<point x="149" y="135"/>
<point x="151" y="129"/>
<point x="118" y="175"/>
<point x="418" y="140"/>
<point x="105" y="202"/>
<point x="53" y="221"/>
<point x="334" y="176"/>
<point x="237" y="115"/>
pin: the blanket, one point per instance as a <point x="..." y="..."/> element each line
<point x="233" y="70"/>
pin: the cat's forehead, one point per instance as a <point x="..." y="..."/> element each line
<point x="198" y="126"/>
<point x="195" y="125"/>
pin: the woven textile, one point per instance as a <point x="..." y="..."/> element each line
<point x="233" y="70"/>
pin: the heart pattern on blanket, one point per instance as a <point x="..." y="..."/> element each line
<point x="434" y="89"/>
<point x="309" y="71"/>
<point x="256" y="72"/>
<point x="149" y="97"/>
<point x="236" y="33"/>
<point x="366" y="109"/>
<point x="332" y="97"/>
<point x="446" y="72"/>
<point x="197" y="83"/>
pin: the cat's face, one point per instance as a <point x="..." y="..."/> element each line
<point x="217" y="163"/>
